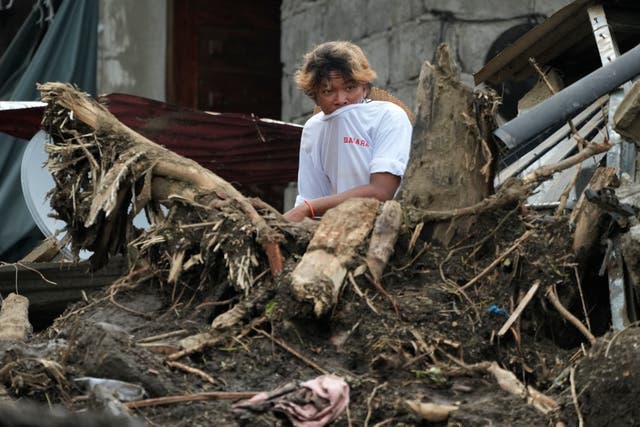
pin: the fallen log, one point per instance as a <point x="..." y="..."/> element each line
<point x="320" y="273"/>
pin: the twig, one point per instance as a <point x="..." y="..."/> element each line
<point x="163" y="336"/>
<point x="519" y="309"/>
<point x="81" y="309"/>
<point x="359" y="292"/>
<point x="546" y="81"/>
<point x="112" y="294"/>
<point x="478" y="244"/>
<point x="545" y="172"/>
<point x="616" y="335"/>
<point x="516" y="189"/>
<point x="216" y="225"/>
<point x="190" y="370"/>
<point x="584" y="306"/>
<point x="498" y="260"/>
<point x="418" y="255"/>
<point x="211" y="395"/>
<point x="574" y="395"/>
<point x="311" y="363"/>
<point x="376" y="284"/>
<point x="553" y="297"/>
<point x="369" y="401"/>
<point x="565" y="194"/>
<point x="19" y="264"/>
<point x="215" y="303"/>
<point x="385" y="422"/>
<point x="414" y="237"/>
<point x="179" y="354"/>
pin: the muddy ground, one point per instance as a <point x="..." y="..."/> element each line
<point x="425" y="354"/>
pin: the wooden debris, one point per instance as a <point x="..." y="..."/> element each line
<point x="432" y="412"/>
<point x="519" y="309"/>
<point x="14" y="318"/>
<point x="498" y="260"/>
<point x="384" y="237"/>
<point x="508" y="382"/>
<point x="548" y="84"/>
<point x="191" y="370"/>
<point x="320" y="273"/>
<point x="588" y="216"/>
<point x="45" y="251"/>
<point x="299" y="356"/>
<point x="626" y="119"/>
<point x="5" y="397"/>
<point x="553" y="297"/>
<point x="195" y="397"/>
<point x="630" y="248"/>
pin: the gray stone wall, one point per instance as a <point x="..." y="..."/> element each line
<point x="398" y="36"/>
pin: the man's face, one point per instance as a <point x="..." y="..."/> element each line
<point x="336" y="92"/>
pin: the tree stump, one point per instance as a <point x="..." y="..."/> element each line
<point x="452" y="160"/>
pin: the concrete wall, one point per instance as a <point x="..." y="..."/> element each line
<point x="132" y="47"/>
<point x="398" y="36"/>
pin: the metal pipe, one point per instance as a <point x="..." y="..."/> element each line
<point x="565" y="104"/>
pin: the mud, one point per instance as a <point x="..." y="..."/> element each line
<point x="425" y="354"/>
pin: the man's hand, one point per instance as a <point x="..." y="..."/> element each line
<point x="298" y="213"/>
<point x="382" y="186"/>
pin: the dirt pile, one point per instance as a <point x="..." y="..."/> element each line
<point x="429" y="354"/>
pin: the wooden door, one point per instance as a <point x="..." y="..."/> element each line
<point x="225" y="56"/>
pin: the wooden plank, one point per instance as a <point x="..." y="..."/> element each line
<point x="33" y="280"/>
<point x="569" y="33"/>
<point x="519" y="309"/>
<point x="45" y="251"/>
<point x="501" y="66"/>
<point x="626" y="118"/>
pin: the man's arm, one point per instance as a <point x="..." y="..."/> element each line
<point x="381" y="186"/>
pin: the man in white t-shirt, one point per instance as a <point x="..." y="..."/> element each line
<point x="353" y="147"/>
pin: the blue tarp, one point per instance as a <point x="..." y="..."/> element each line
<point x="68" y="53"/>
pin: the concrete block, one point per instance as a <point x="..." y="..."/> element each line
<point x="300" y="33"/>
<point x="405" y="92"/>
<point x="549" y="7"/>
<point x="377" y="50"/>
<point x="382" y="15"/>
<point x="412" y="44"/>
<point x="626" y="118"/>
<point x="345" y="20"/>
<point x="296" y="106"/>
<point x="488" y="9"/>
<point x="289" y="8"/>
<point x="473" y="41"/>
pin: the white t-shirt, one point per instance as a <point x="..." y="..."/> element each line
<point x="339" y="151"/>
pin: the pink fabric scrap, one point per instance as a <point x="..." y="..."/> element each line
<point x="315" y="403"/>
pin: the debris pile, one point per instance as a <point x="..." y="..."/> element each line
<point x="379" y="314"/>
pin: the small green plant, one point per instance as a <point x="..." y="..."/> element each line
<point x="269" y="309"/>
